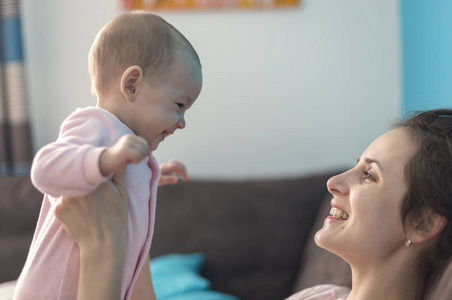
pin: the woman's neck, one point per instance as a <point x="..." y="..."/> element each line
<point x="390" y="278"/>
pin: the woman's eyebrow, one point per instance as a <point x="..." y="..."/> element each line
<point x="372" y="161"/>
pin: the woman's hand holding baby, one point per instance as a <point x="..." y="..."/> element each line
<point x="98" y="224"/>
<point x="130" y="149"/>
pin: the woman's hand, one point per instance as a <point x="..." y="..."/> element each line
<point x="98" y="224"/>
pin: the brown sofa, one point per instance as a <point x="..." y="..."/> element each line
<point x="257" y="236"/>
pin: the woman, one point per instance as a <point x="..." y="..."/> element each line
<point x="390" y="219"/>
<point x="391" y="213"/>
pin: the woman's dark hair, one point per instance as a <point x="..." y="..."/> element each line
<point x="429" y="179"/>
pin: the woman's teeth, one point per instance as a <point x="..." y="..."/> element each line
<point x="338" y="214"/>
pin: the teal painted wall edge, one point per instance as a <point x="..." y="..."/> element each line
<point x="426" y="54"/>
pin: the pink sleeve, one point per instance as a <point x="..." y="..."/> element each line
<point x="70" y="165"/>
<point x="322" y="292"/>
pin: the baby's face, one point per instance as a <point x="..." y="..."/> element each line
<point x="160" y="106"/>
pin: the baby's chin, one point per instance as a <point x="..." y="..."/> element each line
<point x="154" y="144"/>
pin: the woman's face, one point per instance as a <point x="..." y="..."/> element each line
<point x="366" y="204"/>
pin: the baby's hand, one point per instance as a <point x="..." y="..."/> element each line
<point x="130" y="149"/>
<point x="171" y="171"/>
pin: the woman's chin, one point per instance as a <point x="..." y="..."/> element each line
<point x="320" y="237"/>
<point x="326" y="239"/>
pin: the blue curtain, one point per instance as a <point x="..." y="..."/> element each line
<point x="15" y="137"/>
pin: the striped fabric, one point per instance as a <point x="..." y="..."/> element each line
<point x="15" y="139"/>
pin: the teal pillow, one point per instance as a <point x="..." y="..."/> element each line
<point x="202" y="295"/>
<point x="176" y="274"/>
<point x="176" y="277"/>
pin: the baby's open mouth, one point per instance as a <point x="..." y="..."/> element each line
<point x="167" y="133"/>
<point x="338" y="213"/>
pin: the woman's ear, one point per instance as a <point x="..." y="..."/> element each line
<point x="130" y="82"/>
<point x="430" y="226"/>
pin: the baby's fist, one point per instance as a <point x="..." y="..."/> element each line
<point x="129" y="149"/>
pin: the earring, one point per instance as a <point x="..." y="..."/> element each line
<point x="408" y="243"/>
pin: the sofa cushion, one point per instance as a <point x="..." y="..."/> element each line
<point x="7" y="290"/>
<point x="252" y="233"/>
<point x="19" y="206"/>
<point x="20" y="203"/>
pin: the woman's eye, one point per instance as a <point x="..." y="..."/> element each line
<point x="368" y="176"/>
<point x="180" y="105"/>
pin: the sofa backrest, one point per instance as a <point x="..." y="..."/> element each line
<point x="20" y="203"/>
<point x="252" y="233"/>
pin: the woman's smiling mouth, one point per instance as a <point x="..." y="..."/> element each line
<point x="338" y="213"/>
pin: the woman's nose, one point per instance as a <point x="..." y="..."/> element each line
<point x="338" y="184"/>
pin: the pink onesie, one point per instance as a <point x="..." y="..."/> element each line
<point x="70" y="167"/>
<point x="322" y="292"/>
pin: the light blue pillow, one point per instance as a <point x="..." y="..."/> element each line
<point x="202" y="295"/>
<point x="172" y="263"/>
<point x="175" y="274"/>
<point x="176" y="277"/>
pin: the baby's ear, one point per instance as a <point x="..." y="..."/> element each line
<point x="130" y="82"/>
<point x="430" y="226"/>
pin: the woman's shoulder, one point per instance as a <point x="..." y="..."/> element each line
<point x="322" y="292"/>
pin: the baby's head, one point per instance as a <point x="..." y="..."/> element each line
<point x="146" y="73"/>
<point x="137" y="38"/>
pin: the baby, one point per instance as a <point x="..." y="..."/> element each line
<point x="145" y="75"/>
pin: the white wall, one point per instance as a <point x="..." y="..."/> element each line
<point x="286" y="92"/>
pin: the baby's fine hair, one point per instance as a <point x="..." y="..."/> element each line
<point x="136" y="38"/>
<point x="429" y="179"/>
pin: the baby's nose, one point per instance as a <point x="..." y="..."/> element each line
<point x="181" y="123"/>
